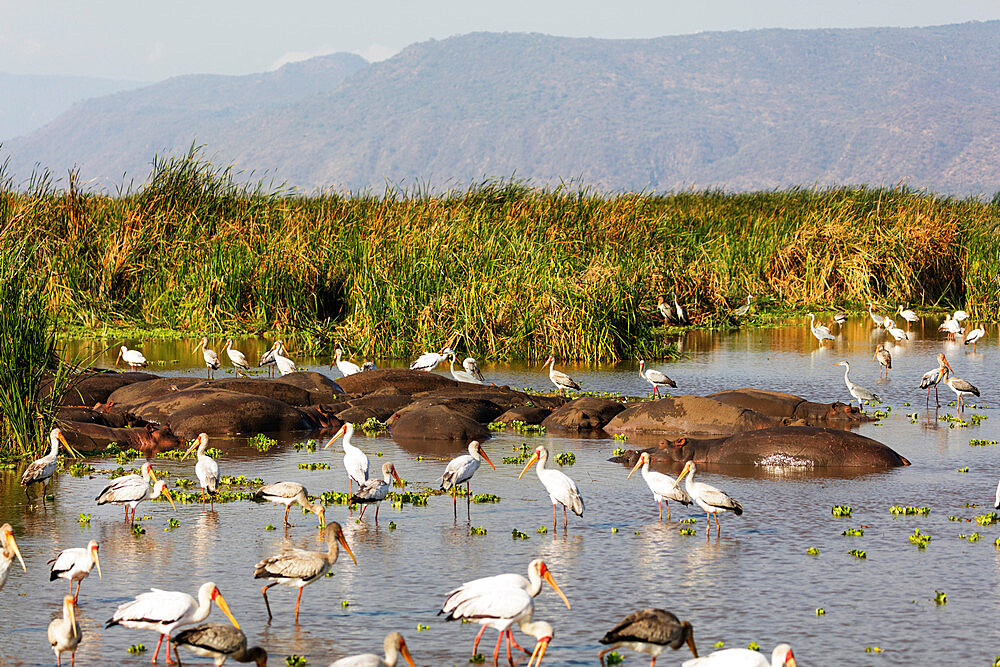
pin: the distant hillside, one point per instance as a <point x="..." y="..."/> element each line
<point x="29" y="102"/>
<point x="735" y="110"/>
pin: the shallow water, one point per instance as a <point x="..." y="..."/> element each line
<point x="754" y="583"/>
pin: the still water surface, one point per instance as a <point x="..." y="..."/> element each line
<point x="754" y="583"/>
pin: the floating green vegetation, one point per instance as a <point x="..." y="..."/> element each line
<point x="841" y="510"/>
<point x="620" y="436"/>
<point x="614" y="658"/>
<point x="940" y="598"/>
<point x="422" y="628"/>
<point x="919" y="539"/>
<point x="566" y="458"/>
<point x="953" y="421"/>
<point x="955" y="518"/>
<point x="138" y="530"/>
<point x="136" y="648"/>
<point x="80" y="469"/>
<point x="614" y="530"/>
<point x="909" y="510"/>
<point x="400" y="498"/>
<point x="972" y="537"/>
<point x="183" y="482"/>
<point x="618" y="451"/>
<point x="345" y="604"/>
<point x="314" y="466"/>
<point x="175" y="454"/>
<point x="753" y="646"/>
<point x="296" y="661"/>
<point x="820" y="611"/>
<point x="541" y="530"/>
<point x="517" y="425"/>
<point x="966" y="469"/>
<point x="307" y="446"/>
<point x="261" y="442"/>
<point x="687" y="532"/>
<point x="522" y="453"/>
<point x="485" y="498"/>
<point x="518" y="535"/>
<point x="83" y="519"/>
<point x="239" y="480"/>
<point x="214" y="452"/>
<point x="688" y="520"/>
<point x="975" y="442"/>
<point x="477" y="658"/>
<point x="269" y="527"/>
<point x="373" y="425"/>
<point x="127" y="456"/>
<point x="222" y="496"/>
<point x="987" y="519"/>
<point x="873" y="649"/>
<point x="854" y="532"/>
<point x="392" y="525"/>
<point x="812" y="551"/>
<point x="975" y="420"/>
<point x="477" y="531"/>
<point x="172" y="523"/>
<point x="858" y="553"/>
<point x="336" y="498"/>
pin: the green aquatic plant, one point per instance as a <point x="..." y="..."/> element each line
<point x="853" y="532"/>
<point x="873" y="649"/>
<point x="481" y="498"/>
<point x="565" y="458"/>
<point x="909" y="510"/>
<point x="392" y="525"/>
<point x="477" y="531"/>
<point x="841" y="510"/>
<point x="422" y="628"/>
<point x="687" y="532"/>
<point x="269" y="527"/>
<point x="373" y="425"/>
<point x="296" y="661"/>
<point x="308" y="446"/>
<point x="261" y="442"/>
<point x="919" y="539"/>
<point x="136" y="649"/>
<point x="518" y="535"/>
<point x="812" y="551"/>
<point x="940" y="598"/>
<point x="965" y="469"/>
<point x="614" y="658"/>
<point x="619" y="436"/>
<point x="973" y="537"/>
<point x="172" y="523"/>
<point x="820" y="611"/>
<point x="541" y="530"/>
<point x="858" y="553"/>
<point x="314" y="466"/>
<point x="975" y="442"/>
<point x="83" y="519"/>
<point x="753" y="646"/>
<point x="138" y="530"/>
<point x="522" y="453"/>
<point x="987" y="519"/>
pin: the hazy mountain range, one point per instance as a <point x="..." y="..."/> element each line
<point x="734" y="110"/>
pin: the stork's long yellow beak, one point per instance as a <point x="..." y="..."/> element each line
<point x="119" y="358"/>
<point x="399" y="481"/>
<point x="547" y="575"/>
<point x="194" y="445"/>
<point x="339" y="433"/>
<point x="483" y="454"/>
<point x="406" y="653"/>
<point x="221" y="601"/>
<point x="97" y="562"/>
<point x="71" y="612"/>
<point x="347" y="547"/>
<point x="638" y="464"/>
<point x="17" y="552"/>
<point x="166" y="492"/>
<point x="538" y="652"/>
<point x="531" y="461"/>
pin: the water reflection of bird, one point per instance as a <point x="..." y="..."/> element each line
<point x="933" y="377"/>
<point x="8" y="552"/>
<point x="664" y="487"/>
<point x="394" y="646"/>
<point x="375" y="490"/>
<point x="345" y="367"/>
<point x="473" y="596"/>
<point x="239" y="359"/>
<point x="649" y="631"/>
<point x="464" y="375"/>
<point x="220" y="642"/>
<point x="133" y="358"/>
<point x="298" y="567"/>
<point x="907" y="315"/>
<point x="64" y="633"/>
<point x="428" y="361"/>
<point x="818" y="330"/>
<point x="962" y="388"/>
<point x="655" y="378"/>
<point x="461" y="469"/>
<point x="857" y="391"/>
<point x="207" y="470"/>
<point x="781" y="656"/>
<point x="165" y="611"/>
<point x="562" y="490"/>
<point x="211" y="358"/>
<point x="41" y="470"/>
<point x="355" y="460"/>
<point x="884" y="359"/>
<point x="562" y="381"/>
<point x="975" y="336"/>
<point x="708" y="497"/>
<point x="75" y="565"/>
<point x="286" y="493"/>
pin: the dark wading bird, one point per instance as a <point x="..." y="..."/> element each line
<point x="933" y="377"/>
<point x="665" y="310"/>
<point x="884" y="359"/>
<point x="220" y="642"/>
<point x="649" y="631"/>
<point x="298" y="567"/>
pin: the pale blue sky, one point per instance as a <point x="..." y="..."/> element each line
<point x="139" y="39"/>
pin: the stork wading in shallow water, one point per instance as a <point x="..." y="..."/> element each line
<point x="649" y="631"/>
<point x="133" y="358"/>
<point x="375" y="490"/>
<point x="75" y="565"/>
<point x="299" y="568"/>
<point x="818" y="330"/>
<point x="857" y="391"/>
<point x="932" y="378"/>
<point x="220" y="642"/>
<point x="562" y="381"/>
<point x="394" y="646"/>
<point x="355" y="460"/>
<point x="894" y="331"/>
<point x="561" y="489"/>
<point x="879" y="320"/>
<point x="664" y="487"/>
<point x="41" y="470"/>
<point x="212" y="362"/>
<point x="207" y="470"/>
<point x="962" y="388"/>
<point x="907" y="315"/>
<point x="287" y="493"/>
<point x="461" y="469"/>
<point x="239" y="359"/>
<point x="8" y="552"/>
<point x="708" y="497"/>
<point x="951" y="326"/>
<point x="267" y="359"/>
<point x="884" y="359"/>
<point x="283" y="363"/>
<point x="654" y="377"/>
<point x="781" y="656"/>
<point x="65" y="633"/>
<point x="345" y="367"/>
<point x="975" y="336"/>
<point x="480" y="599"/>
<point x="128" y="490"/>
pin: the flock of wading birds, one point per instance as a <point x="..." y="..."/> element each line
<point x="498" y="602"/>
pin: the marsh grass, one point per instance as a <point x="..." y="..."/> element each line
<point x="501" y="270"/>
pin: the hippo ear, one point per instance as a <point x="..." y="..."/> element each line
<point x="149" y="427"/>
<point x="680" y="442"/>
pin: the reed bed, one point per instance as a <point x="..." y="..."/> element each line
<point x="502" y="269"/>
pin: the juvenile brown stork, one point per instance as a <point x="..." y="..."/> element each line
<point x="649" y="631"/>
<point x="220" y="642"/>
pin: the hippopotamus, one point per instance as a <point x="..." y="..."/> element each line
<point x="150" y="440"/>
<point x="688" y="414"/>
<point x="791" y="407"/>
<point x="806" y="447"/>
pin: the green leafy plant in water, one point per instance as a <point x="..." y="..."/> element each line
<point x="373" y="425"/>
<point x="820" y="611"/>
<point x="308" y="446"/>
<point x="719" y="644"/>
<point x="687" y="532"/>
<point x="955" y="518"/>
<point x="566" y="458"/>
<point x="172" y="523"/>
<point x="973" y="537"/>
<point x="183" y="482"/>
<point x="873" y="649"/>
<point x="857" y="553"/>
<point x="83" y="519"/>
<point x="854" y="532"/>
<point x="522" y="453"/>
<point x="940" y="598"/>
<point x="841" y="510"/>
<point x="518" y="535"/>
<point x="909" y="510"/>
<point x="981" y="443"/>
<point x="296" y="661"/>
<point x="987" y="519"/>
<point x="477" y="531"/>
<point x="620" y="436"/>
<point x="477" y="658"/>
<point x="812" y="551"/>
<point x="314" y="466"/>
<point x="542" y="530"/>
<point x="966" y="469"/>
<point x="485" y="498"/>
<point x="127" y="456"/>
<point x="753" y="646"/>
<point x="919" y="539"/>
<point x="392" y="525"/>
<point x="138" y="530"/>
<point x="261" y="442"/>
<point x="269" y="527"/>
<point x="80" y="469"/>
<point x="614" y="658"/>
<point x="136" y="648"/>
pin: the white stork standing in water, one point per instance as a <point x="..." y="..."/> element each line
<point x="376" y="490"/>
<point x="41" y="470"/>
<point x="64" y="633"/>
<point x="461" y="469"/>
<point x="165" y="611"/>
<point x="907" y="315"/>
<point x="951" y="326"/>
<point x="962" y="388"/>
<point x="664" y="487"/>
<point x="561" y="489"/>
<point x="212" y="362"/>
<point x="562" y="381"/>
<point x="894" y="331"/>
<point x="818" y="330"/>
<point x="394" y="646"/>
<point x="355" y="460"/>
<point x="207" y="470"/>
<point x="299" y="568"/>
<point x="239" y="359"/>
<point x="649" y="631"/>
<point x="932" y="378"/>
<point x="708" y="498"/>
<point x="75" y="565"/>
<point x="656" y="378"/>
<point x="975" y="336"/>
<point x="884" y="359"/>
<point x="133" y="358"/>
